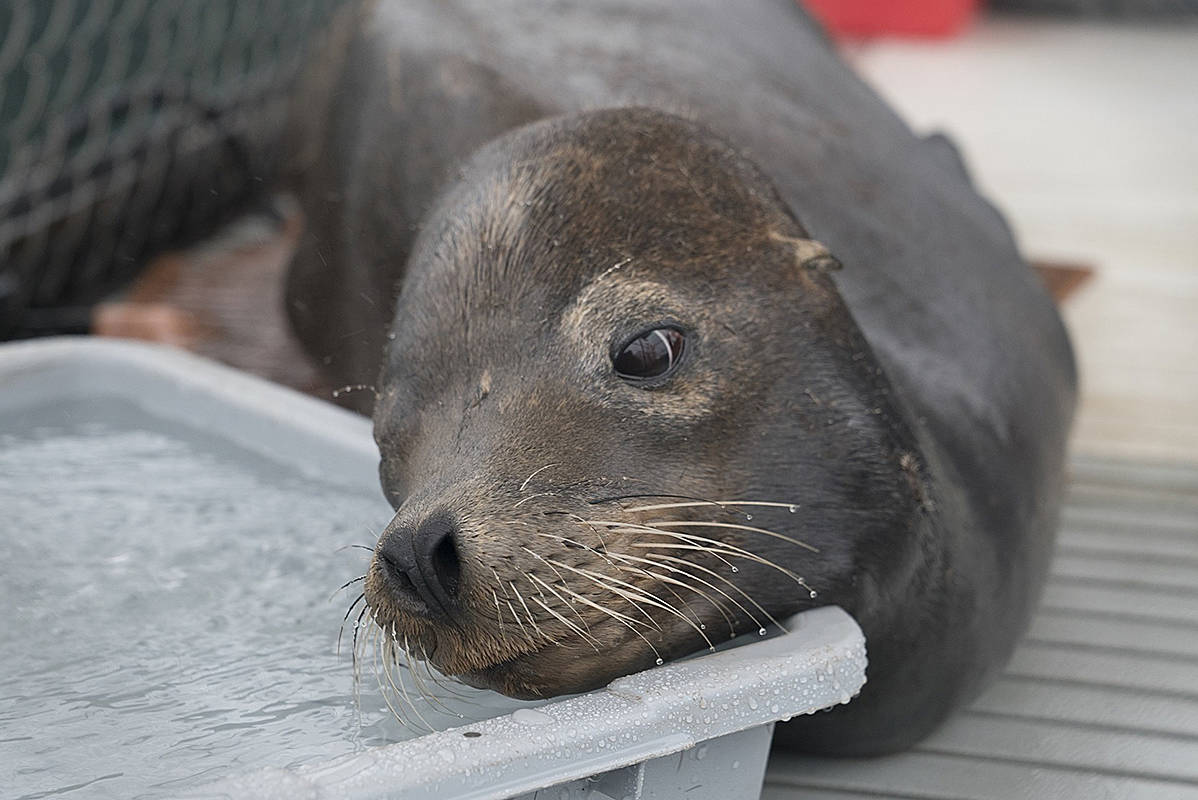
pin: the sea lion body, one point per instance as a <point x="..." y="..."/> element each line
<point x="913" y="405"/>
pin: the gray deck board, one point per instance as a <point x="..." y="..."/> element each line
<point x="1101" y="699"/>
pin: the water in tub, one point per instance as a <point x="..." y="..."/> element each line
<point x="165" y="613"/>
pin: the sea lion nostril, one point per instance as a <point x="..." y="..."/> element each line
<point x="394" y="556"/>
<point x="446" y="565"/>
<point x="436" y="556"/>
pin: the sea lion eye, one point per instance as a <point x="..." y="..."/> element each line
<point x="651" y="354"/>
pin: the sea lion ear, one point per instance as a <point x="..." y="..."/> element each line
<point x="822" y="262"/>
<point x="809" y="254"/>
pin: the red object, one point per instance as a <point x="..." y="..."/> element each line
<point x="892" y="17"/>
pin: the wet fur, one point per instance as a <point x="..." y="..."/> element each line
<point x="913" y="405"/>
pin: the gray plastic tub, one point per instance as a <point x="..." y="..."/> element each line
<point x="170" y="533"/>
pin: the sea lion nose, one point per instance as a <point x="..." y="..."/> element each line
<point x="422" y="566"/>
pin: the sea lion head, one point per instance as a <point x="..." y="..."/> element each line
<point x="624" y="413"/>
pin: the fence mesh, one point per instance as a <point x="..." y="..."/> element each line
<point x="127" y="126"/>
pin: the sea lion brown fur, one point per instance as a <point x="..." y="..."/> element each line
<point x="629" y="405"/>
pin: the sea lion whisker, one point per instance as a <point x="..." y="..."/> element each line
<point x="578" y="544"/>
<point x="686" y="523"/>
<point x="355" y="547"/>
<point x="531" y="619"/>
<point x="379" y="675"/>
<point x="357" y="630"/>
<point x="732" y="584"/>
<point x="734" y="526"/>
<point x="718" y="548"/>
<point x="624" y="527"/>
<point x="667" y="580"/>
<point x="499" y="616"/>
<point x="598" y="533"/>
<point x="346" y="585"/>
<point x="356" y="667"/>
<point x="447" y="684"/>
<point x="539" y="591"/>
<point x="576" y="518"/>
<point x="586" y="628"/>
<point x="534" y="474"/>
<point x="527" y="636"/>
<point x="585" y="637"/>
<point x="341" y="627"/>
<point x="382" y="673"/>
<point x="697" y="624"/>
<point x="599" y="579"/>
<point x="792" y="507"/>
<point x="719" y="607"/>
<point x="666" y="585"/>
<point x="682" y="601"/>
<point x="426" y="694"/>
<point x="524" y="500"/>
<point x="741" y="554"/>
<point x="397" y="683"/>
<point x="652" y="600"/>
<point x="642" y="495"/>
<point x="407" y="651"/>
<point x="610" y="612"/>
<point x="625" y="620"/>
<point x="538" y="556"/>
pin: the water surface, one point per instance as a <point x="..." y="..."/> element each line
<point x="166" y="615"/>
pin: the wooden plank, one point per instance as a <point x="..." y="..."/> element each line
<point x="1173" y="478"/>
<point x="781" y="791"/>
<point x="1126" y="670"/>
<point x="1138" y="522"/>
<point x="1134" y="498"/>
<point x="1105" y="707"/>
<point x="1125" y="545"/>
<point x="1178" y="576"/>
<point x="1147" y="637"/>
<point x="1035" y="742"/>
<point x="1122" y="603"/>
<point x="945" y="777"/>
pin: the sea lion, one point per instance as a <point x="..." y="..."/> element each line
<point x="629" y="402"/>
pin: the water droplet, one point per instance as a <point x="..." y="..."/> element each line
<point x="659" y="662"/>
<point x="774" y="708"/>
<point x="753" y="703"/>
<point x="700" y="752"/>
<point x="530" y="716"/>
<point x="748" y="516"/>
<point x="736" y="765"/>
<point x="813" y="593"/>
